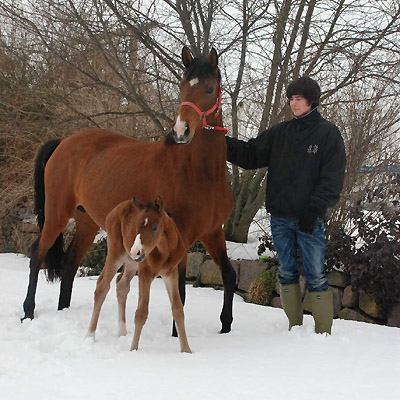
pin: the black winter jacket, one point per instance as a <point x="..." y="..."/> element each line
<point x="306" y="161"/>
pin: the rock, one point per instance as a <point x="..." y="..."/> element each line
<point x="248" y="271"/>
<point x="26" y="242"/>
<point x="337" y="300"/>
<point x="236" y="267"/>
<point x="394" y="315"/>
<point x="353" y="315"/>
<point x="278" y="287"/>
<point x="29" y="227"/>
<point x="368" y="304"/>
<point x="350" y="298"/>
<point x="210" y="274"/>
<point x="194" y="262"/>
<point x="338" y="279"/>
<point x="276" y="302"/>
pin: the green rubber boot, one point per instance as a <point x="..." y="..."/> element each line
<point x="322" y="310"/>
<point x="292" y="304"/>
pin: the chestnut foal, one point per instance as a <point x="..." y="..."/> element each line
<point x="141" y="237"/>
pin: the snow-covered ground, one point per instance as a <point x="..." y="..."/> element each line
<point x="49" y="357"/>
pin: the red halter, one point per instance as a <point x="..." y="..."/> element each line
<point x="203" y="114"/>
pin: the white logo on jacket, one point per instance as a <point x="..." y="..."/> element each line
<point x="312" y="149"/>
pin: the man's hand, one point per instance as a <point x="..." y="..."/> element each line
<point x="308" y="221"/>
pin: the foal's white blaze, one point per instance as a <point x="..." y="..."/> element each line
<point x="146" y="221"/>
<point x="180" y="127"/>
<point x="136" y="248"/>
<point x="193" y="82"/>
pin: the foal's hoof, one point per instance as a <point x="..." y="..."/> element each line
<point x="187" y="351"/>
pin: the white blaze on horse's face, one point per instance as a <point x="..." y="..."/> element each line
<point x="181" y="131"/>
<point x="193" y="82"/>
<point x="137" y="252"/>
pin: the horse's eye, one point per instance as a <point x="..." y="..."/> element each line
<point x="210" y="90"/>
<point x="155" y="227"/>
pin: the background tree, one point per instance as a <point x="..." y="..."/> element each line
<point x="116" y="64"/>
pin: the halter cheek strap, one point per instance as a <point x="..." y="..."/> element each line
<point x="203" y="114"/>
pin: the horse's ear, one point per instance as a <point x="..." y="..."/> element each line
<point x="159" y="206"/>
<point x="212" y="58"/>
<point x="187" y="57"/>
<point x="135" y="202"/>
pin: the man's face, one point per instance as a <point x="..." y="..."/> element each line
<point x="299" y="105"/>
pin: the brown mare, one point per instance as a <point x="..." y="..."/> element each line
<point x="85" y="175"/>
<point x="144" y="237"/>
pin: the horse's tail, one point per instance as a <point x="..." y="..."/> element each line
<point x="54" y="256"/>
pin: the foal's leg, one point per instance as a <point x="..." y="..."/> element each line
<point x="216" y="246"/>
<point x="86" y="231"/>
<point x="113" y="262"/>
<point x="182" y="287"/>
<point x="171" y="283"/>
<point x="123" y="288"/>
<point x="142" y="311"/>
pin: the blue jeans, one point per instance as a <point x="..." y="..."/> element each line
<point x="287" y="239"/>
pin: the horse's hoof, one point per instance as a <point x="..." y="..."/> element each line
<point x="26" y="317"/>
<point x="225" y="329"/>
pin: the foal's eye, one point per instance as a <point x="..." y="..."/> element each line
<point x="210" y="90"/>
<point x="155" y="227"/>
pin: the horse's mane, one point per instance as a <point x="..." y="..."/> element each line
<point x="169" y="140"/>
<point x="200" y="68"/>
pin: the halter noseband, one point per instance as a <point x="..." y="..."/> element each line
<point x="203" y="114"/>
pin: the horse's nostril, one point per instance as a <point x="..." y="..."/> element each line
<point x="187" y="131"/>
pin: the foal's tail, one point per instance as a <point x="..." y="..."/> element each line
<point x="54" y="256"/>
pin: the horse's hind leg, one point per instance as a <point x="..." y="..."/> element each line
<point x="34" y="267"/>
<point x="123" y="288"/>
<point x="86" y="230"/>
<point x="51" y="231"/>
<point x="171" y="283"/>
<point x="216" y="246"/>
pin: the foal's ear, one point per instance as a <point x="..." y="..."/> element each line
<point x="212" y="58"/>
<point x="187" y="57"/>
<point x="136" y="203"/>
<point x="159" y="206"/>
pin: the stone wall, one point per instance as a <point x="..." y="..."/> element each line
<point x="346" y="302"/>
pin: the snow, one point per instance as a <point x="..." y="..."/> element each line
<point x="49" y="357"/>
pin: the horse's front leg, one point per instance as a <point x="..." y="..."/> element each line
<point x="171" y="283"/>
<point x="216" y="246"/>
<point x="142" y="311"/>
<point x="123" y="288"/>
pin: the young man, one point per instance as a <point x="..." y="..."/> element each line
<point x="306" y="161"/>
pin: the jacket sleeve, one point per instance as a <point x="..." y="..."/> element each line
<point x="251" y="154"/>
<point x="330" y="183"/>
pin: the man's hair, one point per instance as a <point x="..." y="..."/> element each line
<point x="306" y="87"/>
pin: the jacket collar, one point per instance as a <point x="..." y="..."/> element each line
<point x="309" y="119"/>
